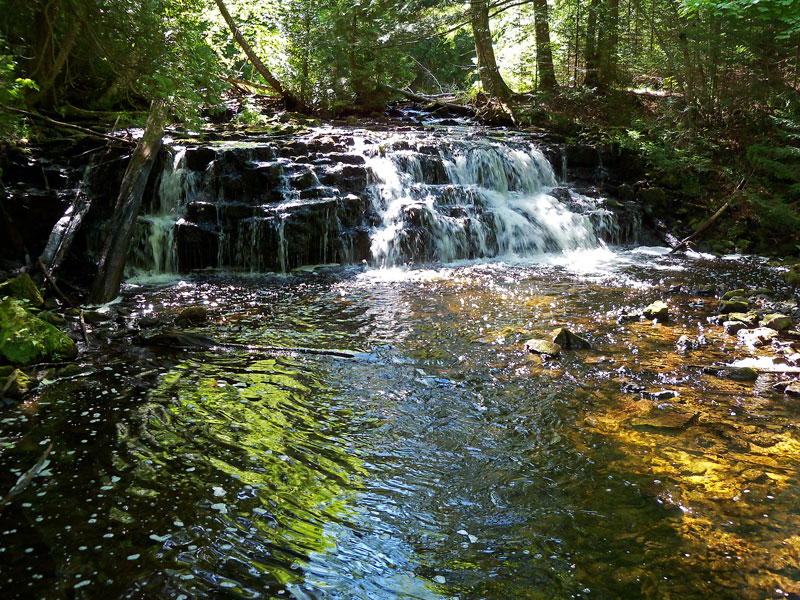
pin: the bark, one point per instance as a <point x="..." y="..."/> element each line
<point x="544" y="51"/>
<point x="592" y="58"/>
<point x="64" y="232"/>
<point x="48" y="81"/>
<point x="487" y="65"/>
<point x="610" y="41"/>
<point x="292" y="103"/>
<point x="129" y="201"/>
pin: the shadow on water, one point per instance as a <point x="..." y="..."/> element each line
<point x="443" y="462"/>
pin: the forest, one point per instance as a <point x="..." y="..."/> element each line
<point x="400" y="299"/>
<point x="706" y="90"/>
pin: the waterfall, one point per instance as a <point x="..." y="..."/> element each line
<point x="347" y="196"/>
<point x="474" y="199"/>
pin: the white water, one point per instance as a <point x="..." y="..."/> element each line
<point x="501" y="200"/>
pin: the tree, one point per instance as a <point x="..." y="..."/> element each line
<point x="544" y="52"/>
<point x="492" y="81"/>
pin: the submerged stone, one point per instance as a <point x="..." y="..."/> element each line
<point x="663" y="418"/>
<point x="749" y="319"/>
<point x="27" y="339"/>
<point x="777" y="322"/>
<point x="657" y="310"/>
<point x="193" y="314"/>
<point x="542" y="347"/>
<point x="566" y="339"/>
<point x="792" y="276"/>
<point x="22" y="288"/>
<point x="793" y="389"/>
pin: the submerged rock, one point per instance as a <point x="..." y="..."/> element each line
<point x="663" y="418"/>
<point x="777" y="322"/>
<point x="657" y="310"/>
<point x="687" y="343"/>
<point x="793" y="389"/>
<point x="567" y="339"/>
<point x="749" y="319"/>
<point x="22" y="288"/>
<point x="543" y="347"/>
<point x="27" y="339"/>
<point x="93" y="317"/>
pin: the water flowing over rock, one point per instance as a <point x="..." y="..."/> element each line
<point x="347" y="196"/>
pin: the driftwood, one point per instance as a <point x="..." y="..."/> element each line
<point x="25" y="479"/>
<point x="64" y="232"/>
<point x="458" y="108"/>
<point x="664" y="233"/>
<point x="129" y="201"/>
<point x="683" y="243"/>
<point x="186" y="340"/>
<point x="84" y="130"/>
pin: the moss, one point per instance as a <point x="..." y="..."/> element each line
<point x="23" y="288"/>
<point x="26" y="339"/>
<point x="20" y="385"/>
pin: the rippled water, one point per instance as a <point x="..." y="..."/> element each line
<point x="440" y="462"/>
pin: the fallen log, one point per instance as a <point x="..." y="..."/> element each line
<point x="115" y="250"/>
<point x="64" y="232"/>
<point x="664" y="233"/>
<point x="48" y="277"/>
<point x="685" y="241"/>
<point x="84" y="130"/>
<point x="459" y="108"/>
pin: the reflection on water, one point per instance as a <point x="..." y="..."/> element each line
<point x="442" y="462"/>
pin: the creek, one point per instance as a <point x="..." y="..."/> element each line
<point x="442" y="460"/>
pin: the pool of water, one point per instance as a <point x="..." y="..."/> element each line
<point x="441" y="461"/>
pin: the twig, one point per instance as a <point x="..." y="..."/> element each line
<point x="26" y="478"/>
<point x="85" y="130"/>
<point x="54" y="285"/>
<point x="83" y="329"/>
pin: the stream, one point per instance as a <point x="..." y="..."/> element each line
<point x="441" y="461"/>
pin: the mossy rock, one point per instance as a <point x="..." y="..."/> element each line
<point x="792" y="276"/>
<point x="543" y="347"/>
<point x="731" y="294"/>
<point x="26" y="339"/>
<point x="22" y="288"/>
<point x="567" y="339"/>
<point x="657" y="310"/>
<point x="20" y="385"/>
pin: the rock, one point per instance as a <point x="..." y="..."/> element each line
<point x="543" y="347"/>
<point x="730" y="294"/>
<point x="22" y="288"/>
<point x="732" y="306"/>
<point x="686" y="343"/>
<point x="750" y="319"/>
<point x="733" y="327"/>
<point x="27" y="339"/>
<point x="793" y="389"/>
<point x="777" y="322"/>
<point x="93" y="317"/>
<point x="148" y="322"/>
<point x="792" y="276"/>
<point x="761" y="336"/>
<point x="52" y="317"/>
<point x="193" y="314"/>
<point x="20" y="385"/>
<point x="740" y="374"/>
<point x="566" y="339"/>
<point x="657" y="310"/>
<point x="659" y="395"/>
<point x="704" y="291"/>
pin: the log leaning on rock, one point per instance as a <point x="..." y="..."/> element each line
<point x="457" y="108"/>
<point x="129" y="201"/>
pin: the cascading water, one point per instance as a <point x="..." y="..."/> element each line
<point x="350" y="196"/>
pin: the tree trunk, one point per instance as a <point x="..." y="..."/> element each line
<point x="115" y="249"/>
<point x="592" y="76"/>
<point x="487" y="65"/>
<point x="292" y="103"/>
<point x="544" y="51"/>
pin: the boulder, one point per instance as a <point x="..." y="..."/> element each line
<point x="792" y="276"/>
<point x="740" y="374"/>
<point x="22" y="288"/>
<point x="760" y="336"/>
<point x="27" y="339"/>
<point x="793" y="389"/>
<point x="749" y="319"/>
<point x="566" y="339"/>
<point x="657" y="310"/>
<point x="93" y="317"/>
<point x="732" y="306"/>
<point x="543" y="347"/>
<point x="777" y="322"/>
